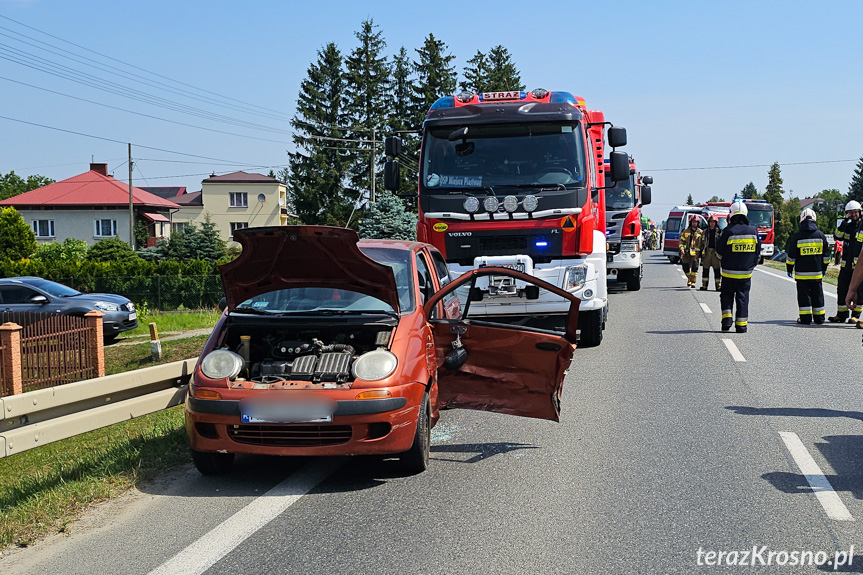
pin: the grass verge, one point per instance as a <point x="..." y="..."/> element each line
<point x="171" y="322"/>
<point x="43" y="490"/>
<point x="832" y="276"/>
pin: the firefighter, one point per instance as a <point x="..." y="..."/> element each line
<point x="808" y="258"/>
<point x="849" y="233"/>
<point x="690" y="246"/>
<point x="738" y="250"/>
<point x="709" y="259"/>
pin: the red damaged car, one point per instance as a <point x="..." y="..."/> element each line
<point x="334" y="346"/>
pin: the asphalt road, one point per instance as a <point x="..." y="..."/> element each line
<point x="668" y="446"/>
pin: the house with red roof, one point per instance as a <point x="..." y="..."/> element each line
<point x="233" y="201"/>
<point x="93" y="206"/>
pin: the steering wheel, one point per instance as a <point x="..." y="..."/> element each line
<point x="553" y="175"/>
<point x="553" y="170"/>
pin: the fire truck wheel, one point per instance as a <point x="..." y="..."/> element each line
<point x="590" y="327"/>
<point x="633" y="283"/>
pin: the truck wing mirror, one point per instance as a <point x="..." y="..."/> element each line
<point x="459" y="134"/>
<point x="645" y="195"/>
<point x="392" y="175"/>
<point x="617" y="139"/>
<point x="619" y="164"/>
<point x="647" y="180"/>
<point x="392" y="146"/>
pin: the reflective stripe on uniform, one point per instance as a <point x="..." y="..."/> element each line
<point x="737" y="274"/>
<point x="726" y="313"/>
<point x="808" y="275"/>
<point x="790" y="261"/>
<point x="818" y="310"/>
<point x="805" y="311"/>
<point x="842" y="308"/>
<point x="740" y="322"/>
<point x="839" y="235"/>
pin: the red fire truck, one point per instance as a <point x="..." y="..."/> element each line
<point x="623" y="202"/>
<point x="761" y="216"/>
<point x="516" y="179"/>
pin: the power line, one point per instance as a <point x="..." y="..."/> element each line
<point x="748" y="166"/>
<point x="139" y="68"/>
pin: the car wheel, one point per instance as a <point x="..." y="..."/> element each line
<point x="416" y="459"/>
<point x="761" y="260"/>
<point x="590" y="326"/>
<point x="633" y="283"/>
<point x="212" y="463"/>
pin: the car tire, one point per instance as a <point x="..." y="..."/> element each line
<point x="761" y="260"/>
<point x="416" y="459"/>
<point x="633" y="282"/>
<point x="590" y="326"/>
<point x="211" y="462"/>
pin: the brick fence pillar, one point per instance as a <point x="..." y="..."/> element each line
<point x="10" y="341"/>
<point x="96" y="341"/>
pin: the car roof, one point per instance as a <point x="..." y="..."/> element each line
<point x="21" y="280"/>
<point x="394" y="244"/>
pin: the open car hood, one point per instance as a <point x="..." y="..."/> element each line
<point x="283" y="257"/>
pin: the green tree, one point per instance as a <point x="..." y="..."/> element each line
<point x="320" y="163"/>
<point x="855" y="189"/>
<point x="436" y="77"/>
<point x="749" y="192"/>
<point x="111" y="250"/>
<point x="207" y="244"/>
<point x="368" y="84"/>
<point x="689" y="201"/>
<point x="475" y="74"/>
<point x="716" y="199"/>
<point x="17" y="240"/>
<point x="12" y="184"/>
<point x="830" y="209"/>
<point x="774" y="194"/>
<point x="388" y="219"/>
<point x="71" y="250"/>
<point x="502" y="73"/>
<point x="788" y="223"/>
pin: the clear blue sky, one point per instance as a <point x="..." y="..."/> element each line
<point x="695" y="84"/>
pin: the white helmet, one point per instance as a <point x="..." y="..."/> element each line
<point x="738" y="208"/>
<point x="807" y="214"/>
<point x="852" y="205"/>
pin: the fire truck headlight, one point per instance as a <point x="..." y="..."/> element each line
<point x="471" y="205"/>
<point x="491" y="204"/>
<point x="510" y="203"/>
<point x="575" y="277"/>
<point x="530" y="203"/>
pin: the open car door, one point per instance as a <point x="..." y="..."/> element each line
<point x="491" y="366"/>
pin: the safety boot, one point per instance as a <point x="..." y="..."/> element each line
<point x="726" y="325"/>
<point x="840" y="317"/>
<point x="741" y="328"/>
<point x="718" y="286"/>
<point x="703" y="287"/>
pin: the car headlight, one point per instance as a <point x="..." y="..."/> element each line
<point x="107" y="306"/>
<point x="130" y="306"/>
<point x="374" y="365"/>
<point x="222" y="363"/>
<point x="575" y="277"/>
<point x="629" y="247"/>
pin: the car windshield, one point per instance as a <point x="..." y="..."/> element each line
<point x="536" y="154"/>
<point x="672" y="225"/>
<point x="338" y="301"/>
<point x="621" y="195"/>
<point x="53" y="288"/>
<point x="760" y="218"/>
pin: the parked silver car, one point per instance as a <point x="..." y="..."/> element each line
<point x="40" y="295"/>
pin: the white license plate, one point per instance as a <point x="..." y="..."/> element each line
<point x="132" y="316"/>
<point x="287" y="413"/>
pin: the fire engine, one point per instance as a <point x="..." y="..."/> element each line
<point x="761" y="216"/>
<point x="623" y="202"/>
<point x="516" y="179"/>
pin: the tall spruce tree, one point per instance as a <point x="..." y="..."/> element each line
<point x="436" y="77"/>
<point x="475" y="74"/>
<point x="320" y="164"/>
<point x="502" y="73"/>
<point x="368" y="85"/>
<point x="855" y="190"/>
<point x="774" y="194"/>
<point x="689" y="201"/>
<point x="749" y="192"/>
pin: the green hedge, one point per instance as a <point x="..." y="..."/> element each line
<point x="165" y="285"/>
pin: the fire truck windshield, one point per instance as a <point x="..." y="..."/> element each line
<point x="760" y="218"/>
<point x="524" y="155"/>
<point x="621" y="196"/>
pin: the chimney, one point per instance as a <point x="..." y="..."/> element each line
<point x="99" y="168"/>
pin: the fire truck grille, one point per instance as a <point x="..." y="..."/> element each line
<point x="492" y="243"/>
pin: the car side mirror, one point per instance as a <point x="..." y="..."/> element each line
<point x="645" y="195"/>
<point x="40" y="299"/>
<point x="223" y="303"/>
<point x="392" y="175"/>
<point x="531" y="292"/>
<point x="475" y="294"/>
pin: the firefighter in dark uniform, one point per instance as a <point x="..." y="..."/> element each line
<point x="690" y="247"/>
<point x="808" y="258"/>
<point x="739" y="249"/>
<point x="849" y="233"/>
<point x="709" y="259"/>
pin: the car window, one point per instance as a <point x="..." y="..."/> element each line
<point x="450" y="301"/>
<point x="399" y="261"/>
<point x="313" y="300"/>
<point x="53" y="288"/>
<point x="14" y="294"/>
<point x="424" y="277"/>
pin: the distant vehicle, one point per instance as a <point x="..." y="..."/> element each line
<point x="779" y="257"/>
<point x="677" y="221"/>
<point x="34" y="294"/>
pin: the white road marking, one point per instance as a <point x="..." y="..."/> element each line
<point x="705" y="308"/>
<point x="209" y="549"/>
<point x="683" y="276"/>
<point x="732" y="349"/>
<point x="821" y="487"/>
<point x="826" y="293"/>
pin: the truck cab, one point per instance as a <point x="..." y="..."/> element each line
<point x="623" y="202"/>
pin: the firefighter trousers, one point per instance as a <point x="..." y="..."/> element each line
<point x="810" y="301"/>
<point x="690" y="267"/>
<point x="735" y="292"/>
<point x="710" y="260"/>
<point x="842" y="290"/>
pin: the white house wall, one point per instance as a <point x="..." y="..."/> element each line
<point x="78" y="224"/>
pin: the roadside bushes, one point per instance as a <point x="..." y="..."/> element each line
<point x="167" y="285"/>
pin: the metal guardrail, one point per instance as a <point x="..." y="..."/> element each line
<point x="39" y="417"/>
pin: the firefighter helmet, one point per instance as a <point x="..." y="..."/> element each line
<point x="807" y="214"/>
<point x="852" y="205"/>
<point x="738" y="208"/>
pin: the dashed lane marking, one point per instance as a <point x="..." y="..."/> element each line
<point x="821" y="487"/>
<point x="732" y="349"/>
<point x="705" y="308"/>
<point x="209" y="549"/>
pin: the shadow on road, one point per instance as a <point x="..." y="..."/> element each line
<point x="794" y="411"/>
<point x="482" y="450"/>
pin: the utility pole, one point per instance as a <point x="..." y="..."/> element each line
<point x="372" y="167"/>
<point x="131" y="204"/>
